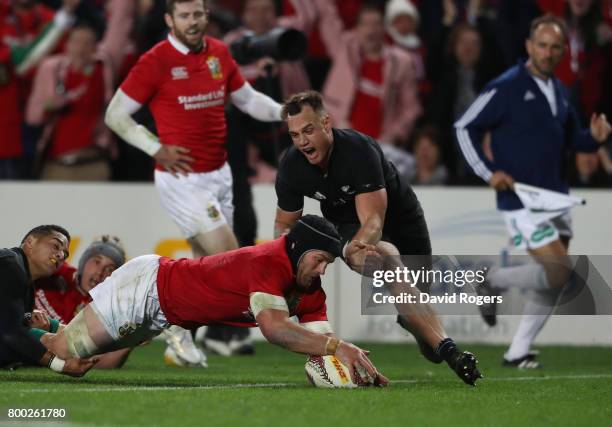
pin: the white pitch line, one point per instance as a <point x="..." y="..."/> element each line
<point x="531" y="378"/>
<point x="155" y="388"/>
<point x="286" y="385"/>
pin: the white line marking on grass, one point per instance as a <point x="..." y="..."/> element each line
<point x="155" y="388"/>
<point x="85" y="389"/>
<point x="529" y="378"/>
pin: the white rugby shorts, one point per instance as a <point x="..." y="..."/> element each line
<point x="199" y="202"/>
<point x="526" y="234"/>
<point x="127" y="303"/>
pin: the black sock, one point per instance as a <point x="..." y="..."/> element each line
<point x="446" y="349"/>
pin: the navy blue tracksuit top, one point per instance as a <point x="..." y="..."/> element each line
<point x="528" y="142"/>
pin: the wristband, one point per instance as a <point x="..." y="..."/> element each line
<point x="37" y="333"/>
<point x="331" y="346"/>
<point x="56" y="364"/>
<point x="54" y="325"/>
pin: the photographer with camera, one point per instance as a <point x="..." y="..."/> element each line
<point x="266" y="46"/>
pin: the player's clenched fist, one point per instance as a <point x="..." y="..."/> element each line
<point x="357" y="252"/>
<point x="501" y="181"/>
<point x="39" y="320"/>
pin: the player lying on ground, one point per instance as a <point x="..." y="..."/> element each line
<point x="41" y="253"/>
<point x="60" y="297"/>
<point x="254" y="286"/>
<point x="362" y="195"/>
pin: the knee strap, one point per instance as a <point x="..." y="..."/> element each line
<point x="77" y="336"/>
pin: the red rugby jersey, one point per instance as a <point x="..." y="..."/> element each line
<point x="216" y="289"/>
<point x="186" y="93"/>
<point x="86" y="91"/>
<point x="367" y="114"/>
<point x="59" y="296"/>
<point x="11" y="118"/>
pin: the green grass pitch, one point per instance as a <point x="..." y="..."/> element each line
<point x="575" y="388"/>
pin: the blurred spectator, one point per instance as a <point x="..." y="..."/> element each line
<point x="117" y="45"/>
<point x="462" y="71"/>
<point x="402" y="160"/>
<point x="22" y="21"/>
<point x="318" y="60"/>
<point x="70" y="93"/>
<point x="439" y="15"/>
<point x="18" y="60"/>
<point x="149" y="27"/>
<point x="371" y="86"/>
<point x="401" y="23"/>
<point x="426" y="151"/>
<point x="588" y="171"/>
<point x="511" y="27"/>
<point x="221" y="22"/>
<point x="588" y="55"/>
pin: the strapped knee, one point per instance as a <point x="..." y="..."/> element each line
<point x="77" y="336"/>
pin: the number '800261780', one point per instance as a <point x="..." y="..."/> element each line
<point x="36" y="413"/>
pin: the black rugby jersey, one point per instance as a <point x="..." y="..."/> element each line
<point x="357" y="165"/>
<point x="16" y="298"/>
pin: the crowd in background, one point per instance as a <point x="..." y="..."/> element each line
<point x="401" y="71"/>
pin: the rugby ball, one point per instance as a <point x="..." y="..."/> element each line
<point x="330" y="372"/>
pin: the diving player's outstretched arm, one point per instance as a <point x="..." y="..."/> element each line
<point x="278" y="329"/>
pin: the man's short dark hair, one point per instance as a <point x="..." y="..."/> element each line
<point x="547" y="19"/>
<point x="45" y="230"/>
<point x="295" y="103"/>
<point x="171" y="3"/>
<point x="88" y="26"/>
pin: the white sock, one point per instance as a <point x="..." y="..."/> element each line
<point x="537" y="309"/>
<point x="528" y="276"/>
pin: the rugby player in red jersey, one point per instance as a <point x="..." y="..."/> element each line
<point x="186" y="81"/>
<point x="64" y="294"/>
<point x="253" y="286"/>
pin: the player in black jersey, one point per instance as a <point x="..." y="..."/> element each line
<point x="374" y="211"/>
<point x="40" y="254"/>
